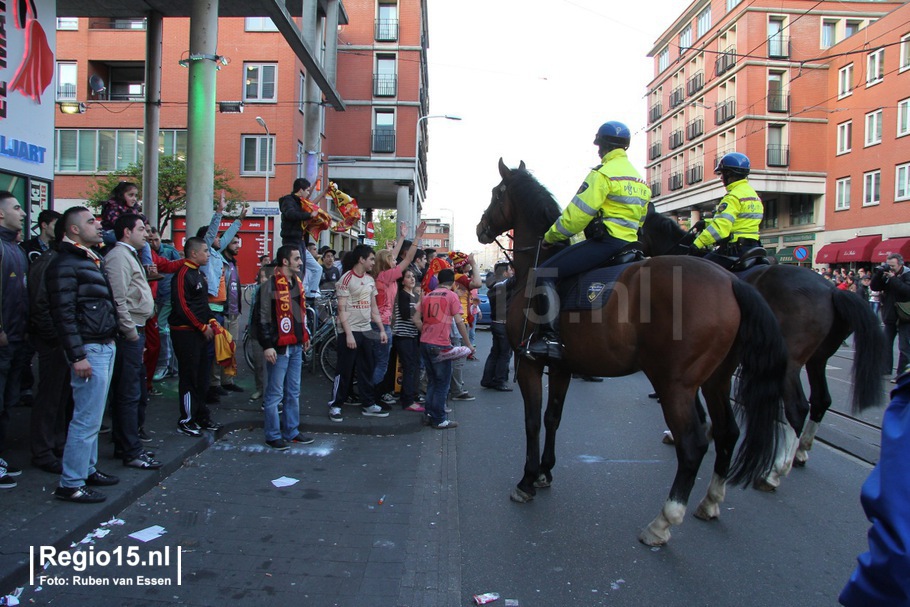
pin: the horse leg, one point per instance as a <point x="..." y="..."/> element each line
<point x="529" y="381"/>
<point x="702" y="418"/>
<point x="559" y="380"/>
<point x="796" y="408"/>
<point x="691" y="446"/>
<point x="819" y="402"/>
<point x="725" y="433"/>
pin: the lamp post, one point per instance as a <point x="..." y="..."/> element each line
<point x="268" y="158"/>
<point x="417" y="157"/>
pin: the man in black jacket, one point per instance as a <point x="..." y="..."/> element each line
<point x="496" y="369"/>
<point x="82" y="309"/>
<point x="292" y="216"/>
<point x="894" y="283"/>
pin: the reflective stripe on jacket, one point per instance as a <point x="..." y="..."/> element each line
<point x="616" y="191"/>
<point x="738" y="216"/>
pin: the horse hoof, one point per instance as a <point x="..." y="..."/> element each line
<point x="707" y="513"/>
<point x="542" y="482"/>
<point x="520" y="496"/>
<point x="649" y="538"/>
<point x="800" y="459"/>
<point x="668" y="438"/>
<point x="798" y="463"/>
<point x="763" y="485"/>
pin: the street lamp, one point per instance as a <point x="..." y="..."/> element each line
<point x="417" y="157"/>
<point x="268" y="158"/>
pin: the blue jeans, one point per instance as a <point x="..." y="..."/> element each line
<point x="439" y="374"/>
<point x="127" y="394"/>
<point x="381" y="357"/>
<point x="313" y="274"/>
<point x="81" y="452"/>
<point x="283" y="386"/>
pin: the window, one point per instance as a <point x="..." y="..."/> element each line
<point x="778" y="44"/>
<point x="845" y="137"/>
<point x="256" y="153"/>
<point x="301" y="93"/>
<point x="260" y="82"/>
<point x="802" y="209"/>
<point x="778" y="153"/>
<point x="842" y="194"/>
<point x="872" y="183"/>
<point x="902" y="182"/>
<point x="905" y="52"/>
<point x="66" y="81"/>
<point x="852" y="27"/>
<point x="126" y="83"/>
<point x="845" y="81"/>
<point x="259" y="24"/>
<point x="685" y="39"/>
<point x="387" y="22"/>
<point x="903" y="117"/>
<point x="663" y="60"/>
<point x="829" y="33"/>
<point x="385" y="79"/>
<point x="67" y="23"/>
<point x="769" y="218"/>
<point x="731" y="4"/>
<point x="778" y="100"/>
<point x="107" y="150"/>
<point x="384" y="130"/>
<point x="875" y="67"/>
<point x="704" y="21"/>
<point x="874" y="127"/>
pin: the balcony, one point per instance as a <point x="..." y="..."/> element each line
<point x="676" y="139"/>
<point x="383" y="140"/>
<point x="725" y="111"/>
<point x="653" y="152"/>
<point x="386" y="30"/>
<point x="677" y="96"/>
<point x="778" y="155"/>
<point x="695" y="128"/>
<point x="779" y="102"/>
<point x="778" y="47"/>
<point x="655" y="188"/>
<point x="385" y="85"/>
<point x="655" y="112"/>
<point x="695" y="83"/>
<point x="695" y="173"/>
<point x="675" y="182"/>
<point x="725" y="61"/>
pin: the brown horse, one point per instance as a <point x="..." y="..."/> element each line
<point x="815" y="319"/>
<point x="685" y="322"/>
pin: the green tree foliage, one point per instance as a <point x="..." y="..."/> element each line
<point x="171" y="188"/>
<point x="384" y="228"/>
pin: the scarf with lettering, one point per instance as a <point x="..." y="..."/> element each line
<point x="284" y="311"/>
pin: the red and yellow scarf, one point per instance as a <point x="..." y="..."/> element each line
<point x="283" y="311"/>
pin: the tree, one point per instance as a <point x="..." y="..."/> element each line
<point x="384" y="228"/>
<point x="171" y="187"/>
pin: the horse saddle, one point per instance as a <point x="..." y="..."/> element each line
<point x="591" y="290"/>
<point x="757" y="256"/>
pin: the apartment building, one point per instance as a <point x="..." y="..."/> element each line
<point x="750" y="77"/>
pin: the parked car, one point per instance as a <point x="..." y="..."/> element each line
<point x="484" y="307"/>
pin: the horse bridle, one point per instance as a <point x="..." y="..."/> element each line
<point x="488" y="229"/>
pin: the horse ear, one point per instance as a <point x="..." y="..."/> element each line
<point x="504" y="171"/>
<point x="522" y="166"/>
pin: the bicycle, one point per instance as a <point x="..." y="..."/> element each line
<point x="247" y="292"/>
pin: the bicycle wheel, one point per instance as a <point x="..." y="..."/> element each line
<point x="248" y="350"/>
<point x="328" y="357"/>
<point x="248" y="294"/>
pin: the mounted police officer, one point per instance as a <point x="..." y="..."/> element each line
<point x="734" y="227"/>
<point x="610" y="207"/>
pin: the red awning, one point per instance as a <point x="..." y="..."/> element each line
<point x="892" y="245"/>
<point x="858" y="249"/>
<point x="828" y="253"/>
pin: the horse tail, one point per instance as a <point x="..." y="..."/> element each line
<point x="869" y="343"/>
<point x="763" y="364"/>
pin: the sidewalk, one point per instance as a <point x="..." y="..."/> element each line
<point x="32" y="517"/>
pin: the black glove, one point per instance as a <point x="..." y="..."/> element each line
<point x="696" y="252"/>
<point x="699" y="225"/>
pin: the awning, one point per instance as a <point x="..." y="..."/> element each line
<point x="828" y="253"/>
<point x="799" y="254"/>
<point x="858" y="249"/>
<point x="892" y="245"/>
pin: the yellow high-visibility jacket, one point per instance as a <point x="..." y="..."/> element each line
<point x="738" y="216"/>
<point x="613" y="189"/>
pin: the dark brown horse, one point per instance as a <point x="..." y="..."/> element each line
<point x="815" y="318"/>
<point x="685" y="322"/>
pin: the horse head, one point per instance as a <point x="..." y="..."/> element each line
<point x="661" y="235"/>
<point x="498" y="216"/>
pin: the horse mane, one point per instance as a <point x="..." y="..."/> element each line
<point x="663" y="228"/>
<point x="537" y="203"/>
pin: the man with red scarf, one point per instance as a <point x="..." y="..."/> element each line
<point x="282" y="333"/>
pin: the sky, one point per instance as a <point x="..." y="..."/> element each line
<point x="532" y="80"/>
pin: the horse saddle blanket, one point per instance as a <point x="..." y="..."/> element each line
<point x="589" y="291"/>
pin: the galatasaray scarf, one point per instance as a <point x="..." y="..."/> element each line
<point x="283" y="311"/>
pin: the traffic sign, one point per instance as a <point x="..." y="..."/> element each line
<point x="265" y="211"/>
<point x="801" y="253"/>
<point x="370" y="230"/>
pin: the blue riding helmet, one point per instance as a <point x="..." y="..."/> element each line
<point x="614" y="134"/>
<point x="733" y="163"/>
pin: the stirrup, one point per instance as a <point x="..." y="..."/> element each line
<point x="543" y="347"/>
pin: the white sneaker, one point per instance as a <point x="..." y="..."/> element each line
<point x="374" y="411"/>
<point x="388" y="398"/>
<point x="335" y="414"/>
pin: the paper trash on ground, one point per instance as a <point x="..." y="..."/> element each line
<point x="285" y="481"/>
<point x="148" y="533"/>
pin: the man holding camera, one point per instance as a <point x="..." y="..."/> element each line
<point x="892" y="278"/>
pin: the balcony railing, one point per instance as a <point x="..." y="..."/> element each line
<point x="778" y="155"/>
<point x="695" y="128"/>
<point x="778" y="47"/>
<point x="695" y="173"/>
<point x="385" y="85"/>
<point x="386" y="30"/>
<point x="653" y="152"/>
<point x="725" y="61"/>
<point x="655" y="188"/>
<point x="695" y="83"/>
<point x="66" y="92"/>
<point x="383" y="140"/>
<point x="655" y="112"/>
<point x="724" y="112"/>
<point x="779" y="102"/>
<point x="675" y="182"/>
<point x="677" y="96"/>
<point x="676" y="139"/>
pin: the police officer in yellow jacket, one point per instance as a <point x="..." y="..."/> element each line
<point x="610" y="206"/>
<point x="734" y="227"/>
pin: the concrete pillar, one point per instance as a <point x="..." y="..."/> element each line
<point x="403" y="208"/>
<point x="331" y="40"/>
<point x="312" y="116"/>
<point x="200" y="161"/>
<point x="694" y="216"/>
<point x="153" y="40"/>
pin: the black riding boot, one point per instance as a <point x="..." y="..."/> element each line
<point x="545" y="343"/>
